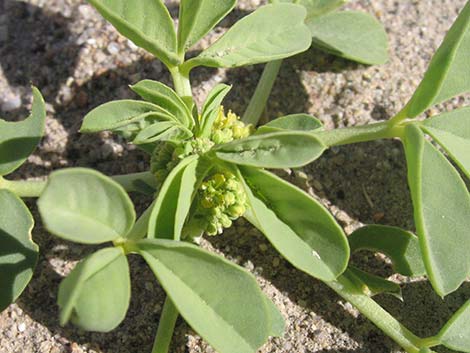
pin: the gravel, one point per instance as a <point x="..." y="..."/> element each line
<point x="79" y="61"/>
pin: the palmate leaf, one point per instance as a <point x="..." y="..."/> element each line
<point x="117" y="114"/>
<point x="211" y="108"/>
<point x="96" y="294"/>
<point x="351" y="34"/>
<point x="452" y="131"/>
<point x="293" y="122"/>
<point x="441" y="206"/>
<point x="302" y="230"/>
<point x="166" y="98"/>
<point x="198" y="17"/>
<point x="400" y="246"/>
<point x="146" y="22"/>
<point x="315" y="8"/>
<point x="448" y="74"/>
<point x="174" y="200"/>
<point x="219" y="300"/>
<point x="272" y="32"/>
<point x="18" y="252"/>
<point x="19" y="139"/>
<point x="456" y="333"/>
<point x="84" y="206"/>
<point x="285" y="149"/>
<point x="373" y="285"/>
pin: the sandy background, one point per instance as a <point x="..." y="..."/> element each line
<point x="79" y="61"/>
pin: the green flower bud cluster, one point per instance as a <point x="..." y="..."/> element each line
<point x="221" y="199"/>
<point x="229" y="127"/>
<point x="167" y="155"/>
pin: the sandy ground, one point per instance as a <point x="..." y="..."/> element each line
<point x="79" y="61"/>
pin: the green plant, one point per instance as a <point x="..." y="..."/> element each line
<point x="208" y="168"/>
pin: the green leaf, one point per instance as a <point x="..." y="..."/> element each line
<point x="85" y="206"/>
<point x="288" y="149"/>
<point x="456" y="333"/>
<point x="163" y="96"/>
<point x="163" y="131"/>
<point x="317" y="8"/>
<point x="219" y="300"/>
<point x="374" y="285"/>
<point x="441" y="206"/>
<point x="271" y="32"/>
<point x="278" y="324"/>
<point x="293" y="122"/>
<point x="19" y="139"/>
<point x="198" y="17"/>
<point x="18" y="252"/>
<point x="302" y="230"/>
<point x="452" y="131"/>
<point x="400" y="246"/>
<point x="448" y="74"/>
<point x="96" y="294"/>
<point x="174" y="200"/>
<point x="118" y="114"/>
<point x="352" y="35"/>
<point x="145" y="22"/>
<point x="211" y="108"/>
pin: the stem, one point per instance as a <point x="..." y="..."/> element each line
<point x="181" y="82"/>
<point x="345" y="287"/>
<point x="344" y="136"/>
<point x="166" y="326"/>
<point x="263" y="90"/>
<point x="34" y="188"/>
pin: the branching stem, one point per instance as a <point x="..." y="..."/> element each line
<point x="34" y="188"/>
<point x="345" y="287"/>
<point x="166" y="327"/>
<point x="371" y="132"/>
<point x="263" y="90"/>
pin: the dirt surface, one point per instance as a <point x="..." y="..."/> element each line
<point x="79" y="61"/>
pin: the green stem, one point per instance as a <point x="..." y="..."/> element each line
<point x="344" y="136"/>
<point x="263" y="90"/>
<point x="181" y="82"/>
<point x="166" y="326"/>
<point x="346" y="288"/>
<point x="34" y="188"/>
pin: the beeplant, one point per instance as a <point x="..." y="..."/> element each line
<point x="208" y="168"/>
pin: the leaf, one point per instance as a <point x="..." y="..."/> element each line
<point x="19" y="139"/>
<point x="145" y="22"/>
<point x="271" y="32"/>
<point x="163" y="96"/>
<point x="452" y="131"/>
<point x="164" y="131"/>
<point x="456" y="333"/>
<point x="293" y="122"/>
<point x="198" y="17"/>
<point x="211" y="108"/>
<point x="174" y="201"/>
<point x="302" y="230"/>
<point x="18" y="252"/>
<point x="448" y="74"/>
<point x="96" y="294"/>
<point x="219" y="300"/>
<point x="85" y="206"/>
<point x="278" y="324"/>
<point x="288" y="149"/>
<point x="400" y="246"/>
<point x="317" y="8"/>
<point x="118" y="114"/>
<point x="353" y="35"/>
<point x="373" y="285"/>
<point x="441" y="206"/>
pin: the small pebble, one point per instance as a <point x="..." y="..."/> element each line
<point x="22" y="327"/>
<point x="12" y="102"/>
<point x="113" y="48"/>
